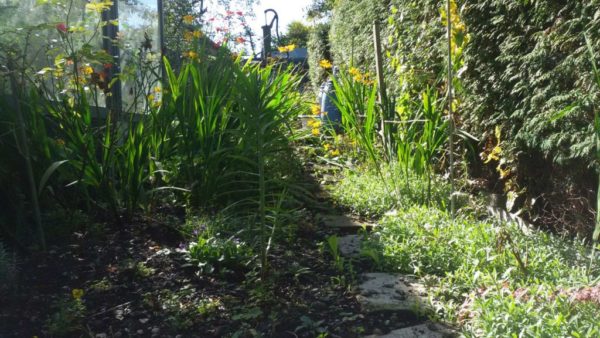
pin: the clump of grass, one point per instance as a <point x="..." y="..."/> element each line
<point x="508" y="282"/>
<point x="364" y="191"/>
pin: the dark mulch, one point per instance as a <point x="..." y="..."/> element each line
<point x="137" y="283"/>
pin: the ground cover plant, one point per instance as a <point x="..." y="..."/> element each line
<point x="492" y="278"/>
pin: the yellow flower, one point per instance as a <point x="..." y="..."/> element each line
<point x="157" y="89"/>
<point x="327" y="146"/>
<point x="334" y="153"/>
<point x="354" y="71"/>
<point x="315" y="109"/>
<point x="98" y="6"/>
<point x="504" y="173"/>
<point x="77" y="293"/>
<point x="188" y="36"/>
<point x="326" y="64"/>
<point x="191" y="54"/>
<point x="314" y="123"/>
<point x="188" y="19"/>
<point x="150" y="97"/>
<point x="315" y="132"/>
<point x="287" y="48"/>
<point x="197" y="34"/>
<point x="87" y="70"/>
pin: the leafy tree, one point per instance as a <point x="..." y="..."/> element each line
<point x="320" y="9"/>
<point x="297" y="34"/>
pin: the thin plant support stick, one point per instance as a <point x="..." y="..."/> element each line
<point x="450" y="114"/>
<point x="161" y="38"/>
<point x="380" y="83"/>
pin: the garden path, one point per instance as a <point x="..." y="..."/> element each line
<point x="380" y="291"/>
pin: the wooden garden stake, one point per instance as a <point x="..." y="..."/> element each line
<point x="380" y="82"/>
<point x="450" y="114"/>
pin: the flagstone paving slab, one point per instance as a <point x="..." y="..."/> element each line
<point x="350" y="245"/>
<point x="385" y="291"/>
<point x="344" y="222"/>
<point x="425" y="330"/>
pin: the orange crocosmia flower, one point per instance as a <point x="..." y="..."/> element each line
<point x="188" y="19"/>
<point x="240" y="39"/>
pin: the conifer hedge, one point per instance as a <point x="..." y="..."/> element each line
<point x="526" y="61"/>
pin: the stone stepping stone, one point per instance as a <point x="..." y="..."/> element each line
<point x="396" y="292"/>
<point x="350" y="245"/>
<point x="425" y="330"/>
<point x="344" y="222"/>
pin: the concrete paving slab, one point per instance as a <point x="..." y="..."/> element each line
<point x="425" y="330"/>
<point x="344" y="222"/>
<point x="350" y="245"/>
<point x="385" y="291"/>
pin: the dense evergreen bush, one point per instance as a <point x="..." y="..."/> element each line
<point x="526" y="62"/>
<point x="318" y="49"/>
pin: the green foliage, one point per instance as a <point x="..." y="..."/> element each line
<point x="319" y="9"/>
<point x="524" y="65"/>
<point x="217" y="255"/>
<point x="297" y="34"/>
<point x="67" y="317"/>
<point x="506" y="273"/>
<point x="352" y="31"/>
<point x="357" y="103"/>
<point x="534" y="312"/>
<point x="318" y="49"/>
<point x="333" y="247"/>
<point x="527" y="61"/>
<point x="365" y="192"/>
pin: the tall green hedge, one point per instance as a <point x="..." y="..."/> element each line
<point x="318" y="49"/>
<point x="525" y="62"/>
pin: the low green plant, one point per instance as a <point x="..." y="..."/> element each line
<point x="514" y="281"/>
<point x="67" y="316"/>
<point x="364" y="192"/>
<point x="215" y="254"/>
<point x="333" y="248"/>
<point x="356" y="100"/>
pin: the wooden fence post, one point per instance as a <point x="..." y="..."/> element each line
<point x="109" y="36"/>
<point x="383" y="101"/>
